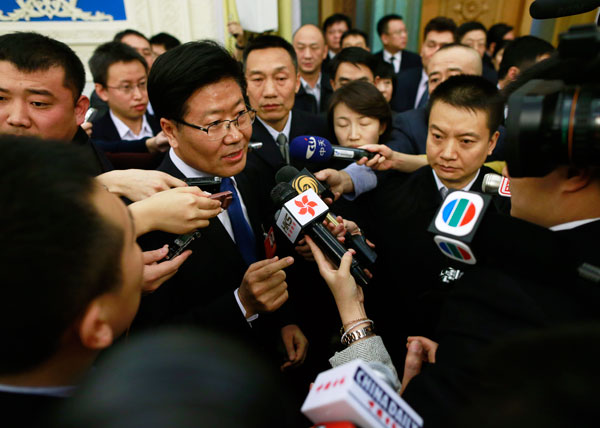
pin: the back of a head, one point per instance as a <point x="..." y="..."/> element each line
<point x="121" y="34"/>
<point x="355" y="32"/>
<point x="522" y="53"/>
<point x="474" y="93"/>
<point x="179" y="378"/>
<point x="365" y="99"/>
<point x="179" y="72"/>
<point x="467" y="27"/>
<point x="270" y="41"/>
<point x="108" y="54"/>
<point x="58" y="252"/>
<point x="497" y="32"/>
<point x="464" y="53"/>
<point x="31" y="52"/>
<point x="354" y="56"/>
<point x="440" y="24"/>
<point x="335" y="18"/>
<point x="382" y="24"/>
<point x="166" y="40"/>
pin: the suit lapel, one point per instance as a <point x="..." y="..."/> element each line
<point x="269" y="151"/>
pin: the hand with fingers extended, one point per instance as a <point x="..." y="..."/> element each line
<point x="296" y="345"/>
<point x="348" y="295"/>
<point x="387" y="159"/>
<point x="263" y="288"/>
<point x="339" y="182"/>
<point x="138" y="184"/>
<point x="155" y="274"/>
<point x="420" y="349"/>
<point x="179" y="210"/>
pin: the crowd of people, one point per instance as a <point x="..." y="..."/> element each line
<point x="230" y="331"/>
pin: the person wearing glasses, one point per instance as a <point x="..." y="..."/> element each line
<point x="232" y="281"/>
<point x="120" y="75"/>
<point x="394" y="37"/>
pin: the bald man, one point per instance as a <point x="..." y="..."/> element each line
<point x="315" y="90"/>
<point x="409" y="133"/>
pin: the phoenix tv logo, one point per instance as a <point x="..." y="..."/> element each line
<point x="459" y="213"/>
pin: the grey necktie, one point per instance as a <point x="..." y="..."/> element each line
<point x="443" y="192"/>
<point x="284" y="148"/>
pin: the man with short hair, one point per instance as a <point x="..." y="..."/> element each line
<point x="162" y="42"/>
<point x="352" y="64"/>
<point x="333" y="28"/>
<point x="394" y="37"/>
<point x="474" y="34"/>
<point x="355" y="38"/>
<point x="232" y="281"/>
<point x="519" y="55"/>
<point x="315" y="90"/>
<point x="137" y="41"/>
<point x="412" y="90"/>
<point x="72" y="276"/>
<point x="120" y="77"/>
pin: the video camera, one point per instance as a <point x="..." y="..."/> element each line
<point x="554" y="118"/>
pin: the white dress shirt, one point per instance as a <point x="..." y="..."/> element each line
<point x="387" y="57"/>
<point x="125" y="133"/>
<point x="422" y="88"/>
<point x="315" y="92"/>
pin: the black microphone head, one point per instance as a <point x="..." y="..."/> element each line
<point x="282" y="193"/>
<point x="546" y="9"/>
<point x="286" y="174"/>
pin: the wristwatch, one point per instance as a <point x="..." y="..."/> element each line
<point x="350" y="338"/>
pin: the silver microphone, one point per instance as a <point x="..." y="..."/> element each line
<point x="495" y="184"/>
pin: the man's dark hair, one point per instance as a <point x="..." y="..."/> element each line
<point x="119" y="36"/>
<point x="108" y="54"/>
<point x="166" y="40"/>
<point x="354" y="56"/>
<point x="58" y="252"/>
<point x="502" y="44"/>
<point x="497" y="32"/>
<point x="523" y="53"/>
<point x="355" y="32"/>
<point x="440" y="24"/>
<point x="30" y="52"/>
<point x="474" y="93"/>
<point x="365" y="99"/>
<point x="178" y="73"/>
<point x="382" y="24"/>
<point x="334" y="19"/>
<point x="469" y="26"/>
<point x="269" y="41"/>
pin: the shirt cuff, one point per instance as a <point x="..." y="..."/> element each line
<point x="363" y="178"/>
<point x="239" y="302"/>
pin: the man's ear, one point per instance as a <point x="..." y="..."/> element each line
<point x="493" y="141"/>
<point x="170" y="130"/>
<point x="81" y="107"/>
<point x="101" y="92"/>
<point x="332" y="83"/>
<point x="298" y="82"/>
<point x="576" y="179"/>
<point x="94" y="330"/>
<point x="326" y="51"/>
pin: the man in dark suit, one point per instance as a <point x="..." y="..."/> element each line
<point x="231" y="281"/>
<point x="74" y="284"/>
<point x="411" y="86"/>
<point x="315" y="90"/>
<point x="394" y="37"/>
<point x="333" y="27"/>
<point x="410" y="131"/>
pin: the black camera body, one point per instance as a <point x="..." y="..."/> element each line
<point x="554" y="122"/>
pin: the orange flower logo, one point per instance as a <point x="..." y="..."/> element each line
<point x="306" y="206"/>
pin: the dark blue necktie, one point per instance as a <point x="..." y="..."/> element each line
<point x="424" y="97"/>
<point x="242" y="232"/>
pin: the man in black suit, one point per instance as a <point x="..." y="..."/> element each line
<point x="271" y="70"/>
<point x="120" y="76"/>
<point x="315" y="90"/>
<point x="411" y="86"/>
<point x="333" y="27"/>
<point x="232" y="280"/>
<point x="72" y="277"/>
<point x="394" y="37"/>
<point x="474" y="34"/>
<point x="410" y="131"/>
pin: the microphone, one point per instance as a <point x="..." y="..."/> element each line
<point x="456" y="222"/>
<point x="355" y="392"/>
<point x="546" y="9"/>
<point x="496" y="184"/>
<point x="318" y="149"/>
<point x="304" y="180"/>
<point x="304" y="212"/>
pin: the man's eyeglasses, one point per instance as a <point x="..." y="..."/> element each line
<point x="218" y="130"/>
<point x="128" y="88"/>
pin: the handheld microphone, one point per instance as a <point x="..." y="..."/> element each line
<point x="355" y="392"/>
<point x="304" y="180"/>
<point x="546" y="9"/>
<point x="303" y="213"/>
<point x="496" y="184"/>
<point x="318" y="149"/>
<point x="91" y="114"/>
